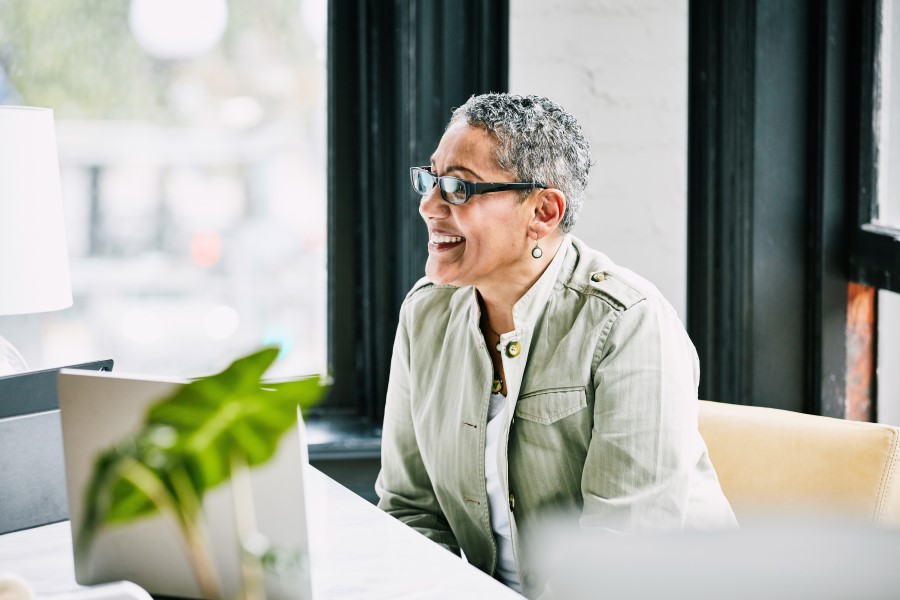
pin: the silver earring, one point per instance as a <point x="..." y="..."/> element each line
<point x="536" y="252"/>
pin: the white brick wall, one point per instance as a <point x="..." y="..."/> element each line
<point x="619" y="66"/>
<point x="888" y="379"/>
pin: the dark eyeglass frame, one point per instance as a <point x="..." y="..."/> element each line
<point x="472" y="188"/>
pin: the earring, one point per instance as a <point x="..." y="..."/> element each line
<point x="536" y="252"/>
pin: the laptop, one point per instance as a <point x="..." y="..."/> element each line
<point x="32" y="477"/>
<point x="100" y="410"/>
<point x="35" y="391"/>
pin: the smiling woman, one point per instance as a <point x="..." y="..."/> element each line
<point x="531" y="376"/>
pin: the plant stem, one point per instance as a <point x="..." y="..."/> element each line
<point x="196" y="535"/>
<point x="179" y="506"/>
<point x="248" y="534"/>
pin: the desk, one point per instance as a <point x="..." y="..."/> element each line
<point x="357" y="551"/>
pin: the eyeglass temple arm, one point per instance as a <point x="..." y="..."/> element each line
<point x="480" y="188"/>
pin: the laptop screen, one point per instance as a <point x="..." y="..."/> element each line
<point x="35" y="391"/>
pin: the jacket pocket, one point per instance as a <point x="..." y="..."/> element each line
<point x="548" y="406"/>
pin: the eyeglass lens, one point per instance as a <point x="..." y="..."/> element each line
<point x="422" y="181"/>
<point x="452" y="189"/>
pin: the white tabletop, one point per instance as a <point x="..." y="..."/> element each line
<point x="357" y="551"/>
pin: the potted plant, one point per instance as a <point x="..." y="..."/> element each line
<point x="207" y="433"/>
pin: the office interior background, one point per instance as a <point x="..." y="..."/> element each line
<point x="243" y="182"/>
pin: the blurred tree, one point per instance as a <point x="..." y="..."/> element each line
<point x="80" y="58"/>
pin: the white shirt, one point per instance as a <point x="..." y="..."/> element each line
<point x="497" y="499"/>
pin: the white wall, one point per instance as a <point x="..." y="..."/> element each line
<point x="888" y="358"/>
<point x="889" y="208"/>
<point x="620" y="67"/>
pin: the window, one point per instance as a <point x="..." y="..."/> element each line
<point x="888" y="132"/>
<point x="196" y="175"/>
<point x="191" y="137"/>
<point x="879" y="222"/>
<point x="778" y="160"/>
<point x="875" y="241"/>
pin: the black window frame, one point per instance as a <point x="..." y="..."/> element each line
<point x="395" y="72"/>
<point x="874" y="248"/>
<point x="396" y="69"/>
<point x="776" y="164"/>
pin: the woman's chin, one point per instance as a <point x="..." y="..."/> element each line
<point x="439" y="275"/>
<point x="437" y="278"/>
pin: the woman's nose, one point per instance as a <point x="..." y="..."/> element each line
<point x="432" y="205"/>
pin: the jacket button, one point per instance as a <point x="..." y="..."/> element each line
<point x="598" y="277"/>
<point x="512" y="501"/>
<point x="513" y="349"/>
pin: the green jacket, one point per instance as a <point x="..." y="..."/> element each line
<point x="602" y="432"/>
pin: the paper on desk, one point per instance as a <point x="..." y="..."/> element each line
<point x="13" y="587"/>
<point x="122" y="590"/>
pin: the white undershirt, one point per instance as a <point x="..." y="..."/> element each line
<point x="497" y="500"/>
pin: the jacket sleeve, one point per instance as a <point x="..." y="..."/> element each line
<point x="645" y="442"/>
<point x="403" y="486"/>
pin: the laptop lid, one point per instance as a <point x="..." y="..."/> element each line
<point x="100" y="410"/>
<point x="32" y="477"/>
<point x="35" y="391"/>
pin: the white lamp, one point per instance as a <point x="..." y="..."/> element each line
<point x="34" y="264"/>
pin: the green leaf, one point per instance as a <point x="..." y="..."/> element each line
<point x="232" y="413"/>
<point x="128" y="502"/>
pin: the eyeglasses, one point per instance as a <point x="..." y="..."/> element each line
<point x="458" y="191"/>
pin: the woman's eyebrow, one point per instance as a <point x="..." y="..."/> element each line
<point x="452" y="168"/>
<point x="459" y="168"/>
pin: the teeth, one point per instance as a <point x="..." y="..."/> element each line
<point x="444" y="239"/>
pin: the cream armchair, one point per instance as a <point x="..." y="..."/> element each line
<point x="774" y="462"/>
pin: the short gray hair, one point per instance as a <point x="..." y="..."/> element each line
<point x="536" y="141"/>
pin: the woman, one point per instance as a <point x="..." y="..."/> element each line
<point x="531" y="376"/>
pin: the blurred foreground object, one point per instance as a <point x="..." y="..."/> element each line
<point x="13" y="587"/>
<point x="778" y="561"/>
<point x="34" y="263"/>
<point x="222" y="431"/>
<point x="810" y="494"/>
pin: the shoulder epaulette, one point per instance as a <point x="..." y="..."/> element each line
<point x="614" y="289"/>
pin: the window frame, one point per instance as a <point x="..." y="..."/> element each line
<point x="874" y="248"/>
<point x="395" y="73"/>
<point x="774" y="167"/>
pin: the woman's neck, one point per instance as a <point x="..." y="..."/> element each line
<point x="498" y="298"/>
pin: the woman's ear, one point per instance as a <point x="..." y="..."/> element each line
<point x="550" y="206"/>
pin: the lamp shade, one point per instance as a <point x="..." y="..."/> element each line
<point x="34" y="263"/>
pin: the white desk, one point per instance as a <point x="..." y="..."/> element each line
<point x="357" y="552"/>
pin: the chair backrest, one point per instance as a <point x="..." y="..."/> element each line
<point x="773" y="461"/>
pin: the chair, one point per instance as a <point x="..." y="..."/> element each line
<point x="776" y="462"/>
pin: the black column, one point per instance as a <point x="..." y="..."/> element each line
<point x="769" y="166"/>
<point x="396" y="70"/>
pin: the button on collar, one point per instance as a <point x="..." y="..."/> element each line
<point x="513" y="349"/>
<point x="598" y="277"/>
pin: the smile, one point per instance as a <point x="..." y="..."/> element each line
<point x="445" y="239"/>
